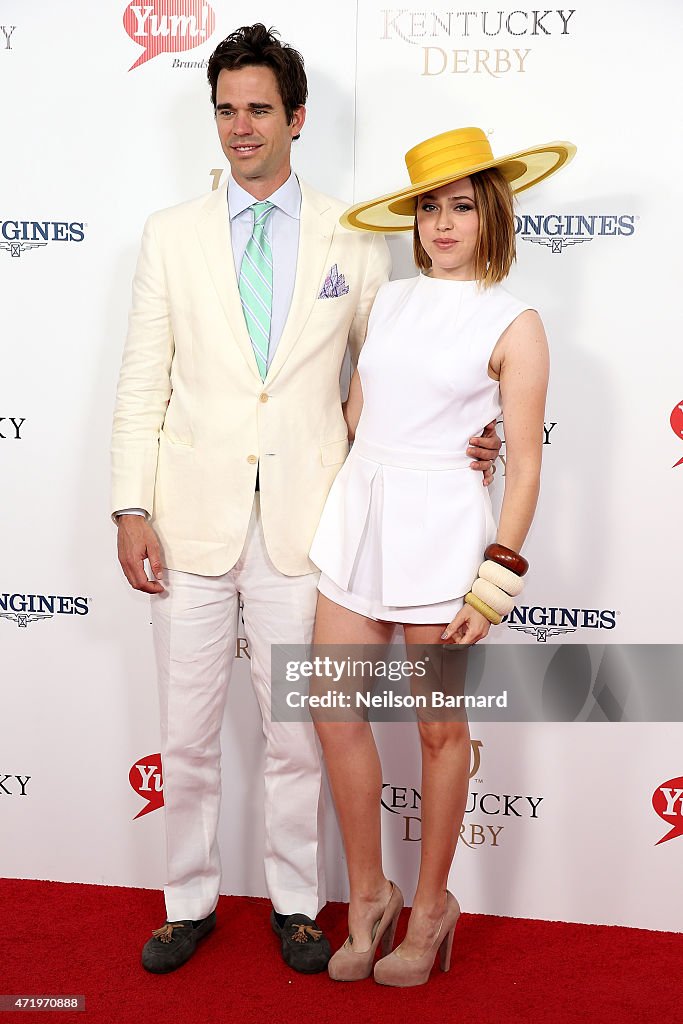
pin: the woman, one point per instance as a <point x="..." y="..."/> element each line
<point x="405" y="531"/>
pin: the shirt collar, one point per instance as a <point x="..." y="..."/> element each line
<point x="287" y="198"/>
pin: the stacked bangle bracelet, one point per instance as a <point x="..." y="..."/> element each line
<point x="498" y="582"/>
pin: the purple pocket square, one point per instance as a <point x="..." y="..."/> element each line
<point x="334" y="285"/>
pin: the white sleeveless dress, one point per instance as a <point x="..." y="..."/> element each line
<point x="405" y="524"/>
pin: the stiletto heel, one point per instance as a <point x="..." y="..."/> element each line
<point x="347" y="964"/>
<point x="395" y="970"/>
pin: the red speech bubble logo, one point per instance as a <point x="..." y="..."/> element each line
<point x="146" y="778"/>
<point x="168" y="26"/>
<point x="676" y="421"/>
<point x="667" y="801"/>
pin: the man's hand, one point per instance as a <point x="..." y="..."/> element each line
<point x="136" y="542"/>
<point x="484" y="449"/>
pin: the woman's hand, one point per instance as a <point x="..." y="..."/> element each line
<point x="467" y="627"/>
<point x="485" y="450"/>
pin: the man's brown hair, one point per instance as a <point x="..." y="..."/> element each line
<point x="256" y="45"/>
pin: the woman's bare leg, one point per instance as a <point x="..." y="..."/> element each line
<point x="355" y="775"/>
<point x="445" y="777"/>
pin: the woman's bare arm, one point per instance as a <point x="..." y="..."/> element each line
<point x="353" y="406"/>
<point x="520" y="361"/>
<point x="524" y="368"/>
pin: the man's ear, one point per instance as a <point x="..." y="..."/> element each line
<point x="297" y="122"/>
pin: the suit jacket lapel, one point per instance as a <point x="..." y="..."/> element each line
<point x="213" y="228"/>
<point x="315" y="237"/>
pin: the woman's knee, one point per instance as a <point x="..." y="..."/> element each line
<point x="436" y="737"/>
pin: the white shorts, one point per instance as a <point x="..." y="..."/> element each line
<point x="364" y="591"/>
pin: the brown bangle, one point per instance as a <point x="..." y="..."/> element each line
<point x="507" y="557"/>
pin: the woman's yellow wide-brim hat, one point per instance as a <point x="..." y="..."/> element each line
<point x="448" y="157"/>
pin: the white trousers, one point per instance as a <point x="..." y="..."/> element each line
<point x="195" y="632"/>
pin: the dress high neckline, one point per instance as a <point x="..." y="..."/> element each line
<point x="444" y="281"/>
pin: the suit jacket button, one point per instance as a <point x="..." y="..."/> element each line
<point x="263" y="398"/>
<point x="252" y="460"/>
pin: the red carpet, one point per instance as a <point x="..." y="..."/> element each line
<point x="85" y="940"/>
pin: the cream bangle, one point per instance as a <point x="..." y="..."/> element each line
<point x="480" y="606"/>
<point x="493" y="596"/>
<point x="501" y="577"/>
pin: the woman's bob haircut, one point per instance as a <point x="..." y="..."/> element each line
<point x="495" y="251"/>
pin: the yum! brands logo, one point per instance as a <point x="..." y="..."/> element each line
<point x="676" y="421"/>
<point x="490" y="808"/>
<point x="168" y="26"/>
<point x="147" y="779"/>
<point x="667" y="801"/>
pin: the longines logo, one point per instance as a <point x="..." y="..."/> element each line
<point x="401" y="800"/>
<point x="486" y="29"/>
<point x="10" y="427"/>
<point x="18" y="236"/>
<point x="7" y="31"/>
<point x="556" y="231"/>
<point x="667" y="801"/>
<point x="25" y="608"/>
<point x="676" y="421"/>
<point x="544" y="622"/>
<point x="169" y="26"/>
<point x="147" y="779"/>
<point x="14" y="785"/>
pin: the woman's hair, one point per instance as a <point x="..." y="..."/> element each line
<point x="495" y="250"/>
<point x="256" y="45"/>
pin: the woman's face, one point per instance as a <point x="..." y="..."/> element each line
<point x="448" y="225"/>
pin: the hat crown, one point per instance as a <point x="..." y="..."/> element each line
<point x="446" y="154"/>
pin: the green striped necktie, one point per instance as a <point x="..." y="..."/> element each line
<point x="256" y="285"/>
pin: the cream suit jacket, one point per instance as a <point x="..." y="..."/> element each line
<point x="193" y="418"/>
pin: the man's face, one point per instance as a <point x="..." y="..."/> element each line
<point x="253" y="128"/>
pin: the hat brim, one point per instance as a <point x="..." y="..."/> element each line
<point x="396" y="212"/>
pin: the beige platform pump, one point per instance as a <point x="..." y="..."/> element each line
<point x="395" y="970"/>
<point x="349" y="965"/>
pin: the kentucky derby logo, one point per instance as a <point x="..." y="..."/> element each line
<point x="146" y="778"/>
<point x="497" y="809"/>
<point x="7" y="31"/>
<point x="545" y="622"/>
<point x="15" y="431"/>
<point x="25" y="608"/>
<point x="168" y="26"/>
<point x="18" y="236"/>
<point x="556" y="231"/>
<point x="667" y="800"/>
<point x="676" y="421"/>
<point x="14" y="785"/>
<point x="489" y="43"/>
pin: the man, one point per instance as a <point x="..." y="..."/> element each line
<point x="228" y="432"/>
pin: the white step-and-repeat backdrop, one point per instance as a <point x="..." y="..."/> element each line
<point x="106" y="117"/>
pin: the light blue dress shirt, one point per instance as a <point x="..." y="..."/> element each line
<point x="282" y="229"/>
<point x="283" y="232"/>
